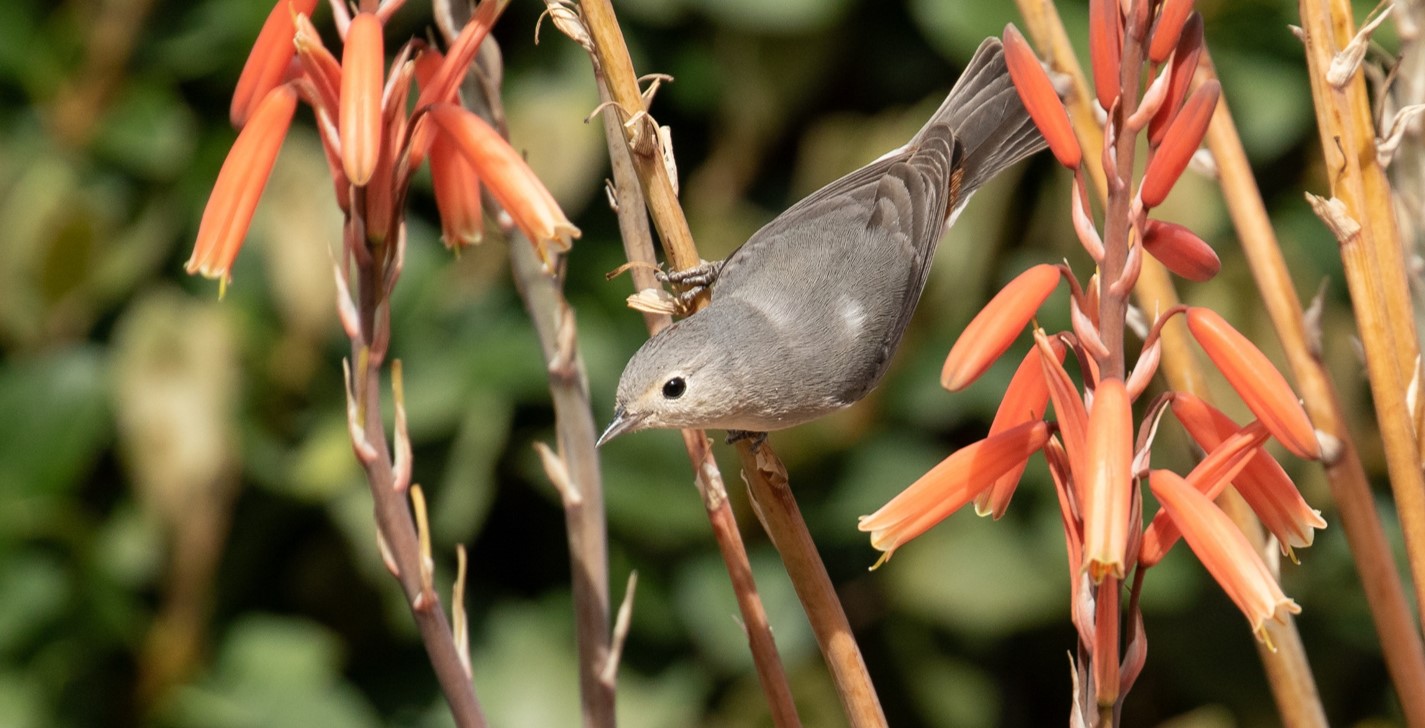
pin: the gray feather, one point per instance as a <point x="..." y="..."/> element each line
<point x="806" y="314"/>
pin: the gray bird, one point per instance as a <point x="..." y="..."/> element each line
<point x="806" y="314"/>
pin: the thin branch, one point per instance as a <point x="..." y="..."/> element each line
<point x="629" y="203"/>
<point x="640" y="136"/>
<point x="772" y="493"/>
<point x="580" y="480"/>
<point x="397" y="528"/>
<point x="1373" y="262"/>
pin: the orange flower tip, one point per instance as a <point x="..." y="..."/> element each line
<point x="1180" y="251"/>
<point x="996" y="326"/>
<point x="1180" y="143"/>
<point x="1105" y="48"/>
<point x="359" y="123"/>
<point x="1169" y="28"/>
<point x="1259" y="384"/>
<point x="1040" y="99"/>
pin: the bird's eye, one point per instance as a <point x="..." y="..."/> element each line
<point x="674" y="388"/>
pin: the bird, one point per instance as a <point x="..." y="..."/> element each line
<point x="805" y="316"/>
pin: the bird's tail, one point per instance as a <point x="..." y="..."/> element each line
<point x="987" y="118"/>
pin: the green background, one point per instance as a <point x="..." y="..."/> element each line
<point x="185" y="537"/>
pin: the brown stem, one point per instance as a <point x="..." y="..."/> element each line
<point x="583" y="493"/>
<point x="739" y="571"/>
<point x="394" y="522"/>
<point x="396" y="526"/>
<point x="580" y="482"/>
<point x="803" y="565"/>
<point x="777" y="507"/>
<point x="628" y="187"/>
<point x="1350" y="488"/>
<point x="1371" y="258"/>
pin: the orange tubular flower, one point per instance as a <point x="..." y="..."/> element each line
<point x="995" y="327"/>
<point x="1169" y="28"/>
<point x="1180" y="142"/>
<point x="950" y="485"/>
<point x="239" y="186"/>
<point x="1040" y="100"/>
<point x="509" y="179"/>
<point x="457" y="186"/>
<point x="1105" y="49"/>
<point x="1224" y="551"/>
<point x="268" y="60"/>
<point x="320" y="67"/>
<point x="1182" y="252"/>
<point x="457" y="195"/>
<point x="362" y="74"/>
<point x="1025" y="400"/>
<point x="1069" y="409"/>
<point x="1263" y="483"/>
<point x="1182" y="69"/>
<point x="446" y="80"/>
<point x="1108" y="482"/>
<point x="1257" y="382"/>
<point x="1210" y="478"/>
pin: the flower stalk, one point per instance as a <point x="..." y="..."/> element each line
<point x="1099" y="463"/>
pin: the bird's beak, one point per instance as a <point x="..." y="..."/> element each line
<point x="623" y="422"/>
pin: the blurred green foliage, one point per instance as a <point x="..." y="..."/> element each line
<point x="185" y="539"/>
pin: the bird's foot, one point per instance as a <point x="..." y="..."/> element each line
<point x="755" y="438"/>
<point x="693" y="280"/>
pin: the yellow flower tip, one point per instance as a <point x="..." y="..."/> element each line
<point x="996" y="326"/>
<point x="885" y="557"/>
<point x="1279" y="614"/>
<point x="1262" y="388"/>
<point x="1265" y="638"/>
<point x="1099" y="570"/>
<point x="359" y="123"/>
